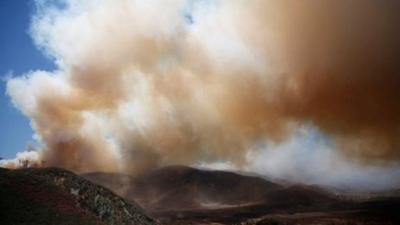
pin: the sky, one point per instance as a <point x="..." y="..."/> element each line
<point x="18" y="55"/>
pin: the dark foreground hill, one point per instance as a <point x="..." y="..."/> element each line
<point x="56" y="196"/>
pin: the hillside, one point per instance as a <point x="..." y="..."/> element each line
<point x="56" y="196"/>
<point x="180" y="187"/>
<point x="176" y="195"/>
<point x="188" y="196"/>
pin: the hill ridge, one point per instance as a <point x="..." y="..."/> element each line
<point x="58" y="196"/>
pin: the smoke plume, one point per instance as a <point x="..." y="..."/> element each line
<point x="143" y="84"/>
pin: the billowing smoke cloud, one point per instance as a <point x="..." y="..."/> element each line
<point x="23" y="159"/>
<point x="308" y="158"/>
<point x="149" y="83"/>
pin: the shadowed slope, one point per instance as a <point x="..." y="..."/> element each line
<point x="57" y="196"/>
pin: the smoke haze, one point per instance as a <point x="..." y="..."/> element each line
<point x="143" y="84"/>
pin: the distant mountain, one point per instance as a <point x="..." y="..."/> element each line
<point x="56" y="196"/>
<point x="183" y="188"/>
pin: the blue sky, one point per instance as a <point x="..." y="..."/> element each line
<point x="18" y="55"/>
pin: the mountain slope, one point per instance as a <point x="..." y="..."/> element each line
<point x="57" y="196"/>
<point x="180" y="187"/>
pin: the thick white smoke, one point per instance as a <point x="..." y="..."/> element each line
<point x="307" y="157"/>
<point x="143" y="84"/>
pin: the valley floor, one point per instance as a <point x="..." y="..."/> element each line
<point x="377" y="215"/>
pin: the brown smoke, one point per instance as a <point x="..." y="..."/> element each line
<point x="346" y="74"/>
<point x="139" y="86"/>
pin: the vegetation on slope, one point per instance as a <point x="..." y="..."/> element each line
<point x="57" y="196"/>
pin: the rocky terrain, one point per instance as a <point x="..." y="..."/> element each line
<point x="56" y="196"/>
